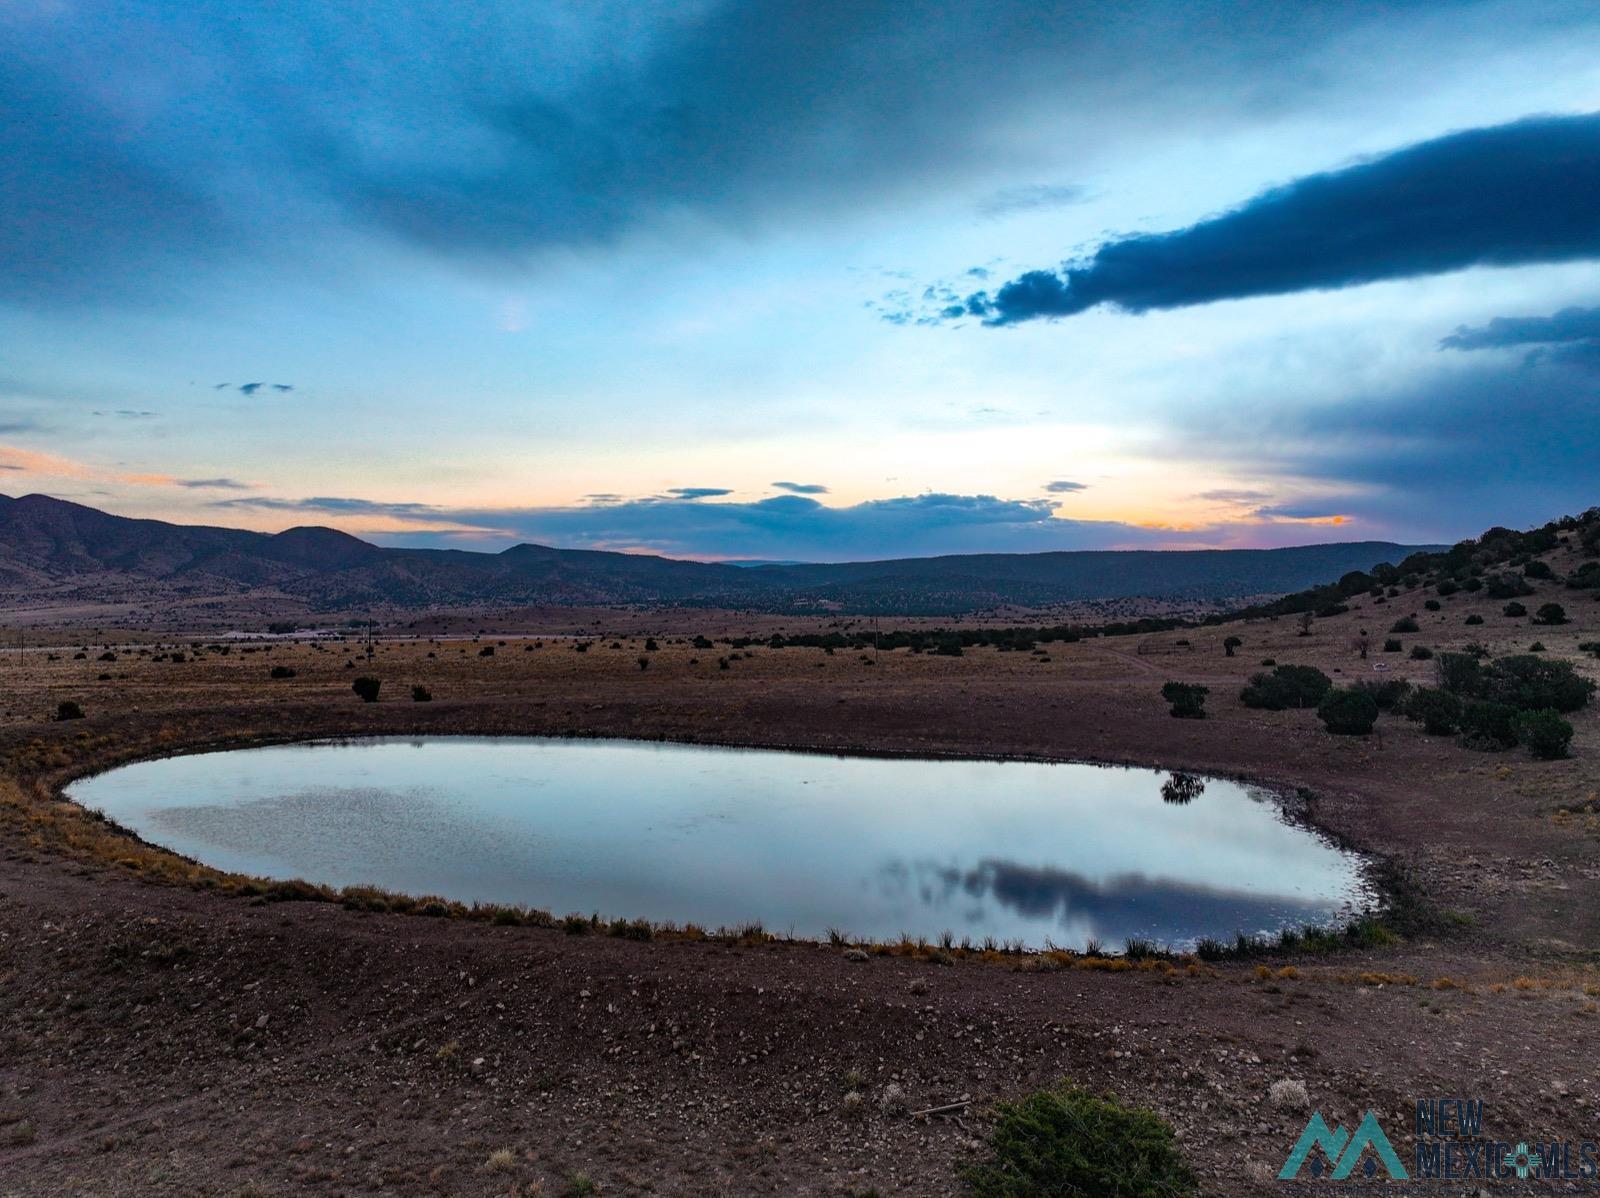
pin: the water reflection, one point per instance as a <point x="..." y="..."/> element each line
<point x="1182" y="788"/>
<point x="1009" y="850"/>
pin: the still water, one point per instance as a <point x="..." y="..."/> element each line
<point x="720" y="837"/>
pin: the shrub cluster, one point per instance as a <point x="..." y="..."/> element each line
<point x="1509" y="701"/>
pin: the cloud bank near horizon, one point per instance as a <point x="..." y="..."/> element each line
<point x="792" y="527"/>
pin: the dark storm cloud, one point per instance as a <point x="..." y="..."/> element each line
<point x="1062" y="487"/>
<point x="1527" y="192"/>
<point x="1495" y="443"/>
<point x="1569" y="324"/>
<point x="802" y="488"/>
<point x="266" y="133"/>
<point x="780" y="528"/>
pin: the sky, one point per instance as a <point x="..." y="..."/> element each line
<point x="804" y="281"/>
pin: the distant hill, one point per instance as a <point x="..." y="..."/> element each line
<point x="60" y="551"/>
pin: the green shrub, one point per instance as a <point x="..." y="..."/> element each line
<point x="281" y="672"/>
<point x="1286" y="686"/>
<point x="1592" y="648"/>
<point x="1538" y="569"/>
<point x="1231" y="643"/>
<point x="1187" y="699"/>
<point x="1068" y="1143"/>
<point x="1421" y="653"/>
<point x="69" y="710"/>
<point x="1392" y="645"/>
<point x="1404" y="624"/>
<point x="1550" y="613"/>
<point x="1436" y="709"/>
<point x="367" y="688"/>
<point x="1488" y="726"/>
<point x="1348" y="712"/>
<point x="1545" y="734"/>
<point x="1515" y="610"/>
<point x="1433" y="605"/>
<point x="421" y="694"/>
<point x="1474" y="618"/>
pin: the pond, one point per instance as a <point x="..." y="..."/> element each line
<point x="1019" y="851"/>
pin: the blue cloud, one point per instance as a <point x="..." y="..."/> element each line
<point x="1062" y="487"/>
<point x="214" y="484"/>
<point x="1526" y="192"/>
<point x="698" y="492"/>
<point x="1013" y="201"/>
<point x="802" y="488"/>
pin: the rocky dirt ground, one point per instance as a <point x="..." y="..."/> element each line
<point x="161" y="1038"/>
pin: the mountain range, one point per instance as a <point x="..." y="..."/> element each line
<point x="54" y="551"/>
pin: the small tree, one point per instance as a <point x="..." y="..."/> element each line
<point x="1187" y="698"/>
<point x="367" y="688"/>
<point x="1550" y="613"/>
<point x="1459" y="673"/>
<point x="644" y="663"/>
<point x="69" y="710"/>
<point x="421" y="694"/>
<point x="1305" y="623"/>
<point x="1404" y="624"/>
<point x="1515" y="610"/>
<point x="1348" y="712"/>
<point x="1230" y="644"/>
<point x="1544" y="732"/>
